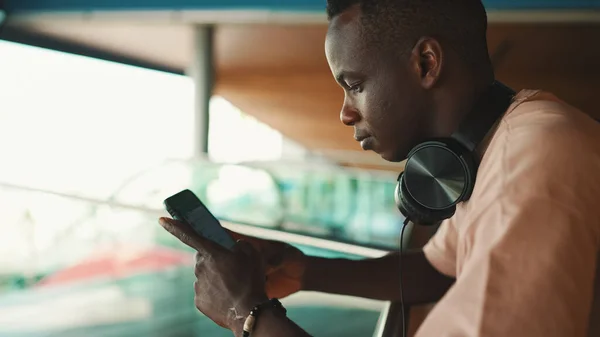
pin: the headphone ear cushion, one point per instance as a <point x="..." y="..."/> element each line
<point x="414" y="211"/>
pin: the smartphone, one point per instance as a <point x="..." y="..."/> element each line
<point x="185" y="206"/>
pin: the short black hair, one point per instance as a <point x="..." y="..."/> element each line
<point x="396" y="25"/>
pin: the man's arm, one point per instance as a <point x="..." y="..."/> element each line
<point x="378" y="278"/>
<point x="370" y="278"/>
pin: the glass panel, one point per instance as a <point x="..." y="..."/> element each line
<point x="336" y="203"/>
<point x="317" y="200"/>
<point x="85" y="269"/>
<point x="232" y="192"/>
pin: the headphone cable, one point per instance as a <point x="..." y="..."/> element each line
<point x="404" y="225"/>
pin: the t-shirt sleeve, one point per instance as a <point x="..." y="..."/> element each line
<point x="440" y="250"/>
<point x="531" y="254"/>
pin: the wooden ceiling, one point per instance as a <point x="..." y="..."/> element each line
<point x="280" y="75"/>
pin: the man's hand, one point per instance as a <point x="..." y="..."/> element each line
<point x="284" y="265"/>
<point x="228" y="283"/>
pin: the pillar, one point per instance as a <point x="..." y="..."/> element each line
<point x="202" y="73"/>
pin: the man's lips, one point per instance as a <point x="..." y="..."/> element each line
<point x="367" y="143"/>
<point x="360" y="138"/>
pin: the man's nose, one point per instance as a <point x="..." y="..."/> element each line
<point x="349" y="115"/>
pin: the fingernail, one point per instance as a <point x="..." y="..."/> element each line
<point x="162" y="221"/>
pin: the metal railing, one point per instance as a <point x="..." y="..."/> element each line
<point x="246" y="229"/>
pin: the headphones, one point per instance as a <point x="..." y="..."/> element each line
<point x="440" y="173"/>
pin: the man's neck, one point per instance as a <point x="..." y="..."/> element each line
<point x="460" y="100"/>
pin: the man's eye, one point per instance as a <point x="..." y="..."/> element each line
<point x="355" y="88"/>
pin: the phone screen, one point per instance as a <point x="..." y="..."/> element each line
<point x="185" y="206"/>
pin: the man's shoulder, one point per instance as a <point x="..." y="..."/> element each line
<point x="546" y="150"/>
<point x="539" y="139"/>
<point x="539" y="120"/>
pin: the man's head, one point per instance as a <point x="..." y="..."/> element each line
<point x="408" y="67"/>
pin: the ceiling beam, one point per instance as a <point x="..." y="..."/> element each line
<point x="279" y="17"/>
<point x="23" y="36"/>
<point x="272" y="5"/>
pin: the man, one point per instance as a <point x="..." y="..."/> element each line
<point x="518" y="259"/>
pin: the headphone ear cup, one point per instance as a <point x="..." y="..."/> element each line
<point x="401" y="202"/>
<point x="415" y="212"/>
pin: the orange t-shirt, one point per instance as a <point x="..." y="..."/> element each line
<point x="524" y="248"/>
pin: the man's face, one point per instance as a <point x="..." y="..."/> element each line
<point x="382" y="95"/>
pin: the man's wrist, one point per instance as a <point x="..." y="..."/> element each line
<point x="313" y="265"/>
<point x="243" y="311"/>
<point x="316" y="272"/>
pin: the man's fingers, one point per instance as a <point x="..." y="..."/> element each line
<point x="235" y="235"/>
<point x="186" y="234"/>
<point x="245" y="247"/>
<point x="257" y="243"/>
<point x="182" y="231"/>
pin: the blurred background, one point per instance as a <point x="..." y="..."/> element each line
<point x="109" y="107"/>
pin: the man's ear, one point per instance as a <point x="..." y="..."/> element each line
<point x="427" y="60"/>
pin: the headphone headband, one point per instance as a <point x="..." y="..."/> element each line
<point x="487" y="111"/>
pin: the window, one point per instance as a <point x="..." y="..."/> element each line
<point x="237" y="137"/>
<point x="86" y="265"/>
<point x="75" y="124"/>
